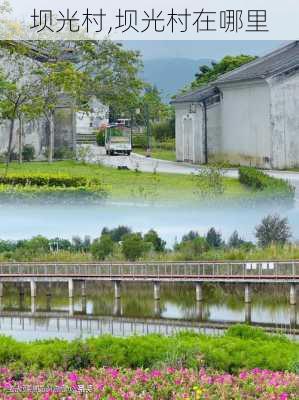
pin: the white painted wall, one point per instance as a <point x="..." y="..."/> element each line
<point x="214" y="131"/>
<point x="245" y="121"/>
<point x="284" y="92"/>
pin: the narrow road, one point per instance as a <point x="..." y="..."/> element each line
<point x="97" y="154"/>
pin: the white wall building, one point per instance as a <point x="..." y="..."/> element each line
<point x="249" y="116"/>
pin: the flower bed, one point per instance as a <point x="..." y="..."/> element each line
<point x="168" y="384"/>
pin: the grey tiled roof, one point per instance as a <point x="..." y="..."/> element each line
<point x="197" y="95"/>
<point x="281" y="60"/>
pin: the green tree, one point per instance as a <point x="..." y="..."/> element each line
<point x="133" y="246"/>
<point x="152" y="237"/>
<point x="209" y="73"/>
<point x="190" y="236"/>
<point x="103" y="247"/>
<point x="79" y="244"/>
<point x="118" y="233"/>
<point x="273" y="230"/>
<point x="37" y="246"/>
<point x="235" y="240"/>
<point x="58" y="80"/>
<point x="111" y="74"/>
<point x="18" y="93"/>
<point x="193" y="248"/>
<point x="214" y="238"/>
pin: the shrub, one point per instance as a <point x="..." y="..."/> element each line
<point x="64" y="153"/>
<point x="139" y="141"/>
<point x="164" y="129"/>
<point x="100" y="138"/>
<point x="193" y="248"/>
<point x="167" y="144"/>
<point x="103" y="247"/>
<point x="241" y="347"/>
<point x="209" y="181"/>
<point x="260" y="181"/>
<point x="133" y="246"/>
<point x="44" y="180"/>
<point x="28" y="153"/>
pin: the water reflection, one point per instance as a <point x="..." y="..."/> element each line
<point x="176" y="308"/>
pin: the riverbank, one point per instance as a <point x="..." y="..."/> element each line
<point x="241" y="347"/>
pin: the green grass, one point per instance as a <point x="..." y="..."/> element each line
<point x="123" y="184"/>
<point x="242" y="347"/>
<point x="167" y="155"/>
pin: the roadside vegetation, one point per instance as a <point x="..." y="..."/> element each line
<point x="105" y="181"/>
<point x="273" y="241"/>
<point x="73" y="179"/>
<point x="265" y="184"/>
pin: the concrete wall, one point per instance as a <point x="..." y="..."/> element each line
<point x="245" y="121"/>
<point x="284" y="94"/>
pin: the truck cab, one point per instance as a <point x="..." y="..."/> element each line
<point x="118" y="138"/>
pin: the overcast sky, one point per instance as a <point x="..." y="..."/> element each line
<point x="201" y="49"/>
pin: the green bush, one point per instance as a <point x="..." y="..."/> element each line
<point x="64" y="153"/>
<point x="28" y="153"/>
<point x="100" y="138"/>
<point x="242" y="347"/>
<point x="164" y="129"/>
<point x="103" y="247"/>
<point x="139" y="141"/>
<point x="61" y="180"/>
<point x="260" y="181"/>
<point x="166" y="144"/>
<point x="133" y="246"/>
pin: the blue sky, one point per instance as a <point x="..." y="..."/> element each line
<point x="201" y="49"/>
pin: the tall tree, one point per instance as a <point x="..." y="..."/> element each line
<point x="18" y="94"/>
<point x="56" y="80"/>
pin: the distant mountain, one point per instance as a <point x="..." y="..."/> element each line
<point x="171" y="74"/>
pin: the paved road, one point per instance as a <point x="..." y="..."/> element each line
<point x="135" y="161"/>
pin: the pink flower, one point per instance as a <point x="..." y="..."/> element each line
<point x="283" y="396"/>
<point x="73" y="377"/>
<point x="156" y="374"/>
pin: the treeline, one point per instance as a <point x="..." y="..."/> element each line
<point x="273" y="236"/>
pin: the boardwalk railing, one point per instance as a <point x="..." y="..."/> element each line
<point x="288" y="270"/>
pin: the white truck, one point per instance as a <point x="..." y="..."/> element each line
<point x="118" y="138"/>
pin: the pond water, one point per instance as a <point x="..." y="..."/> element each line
<point x="137" y="312"/>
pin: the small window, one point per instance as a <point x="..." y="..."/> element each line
<point x="192" y="108"/>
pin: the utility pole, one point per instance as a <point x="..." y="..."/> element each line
<point x="148" y="130"/>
